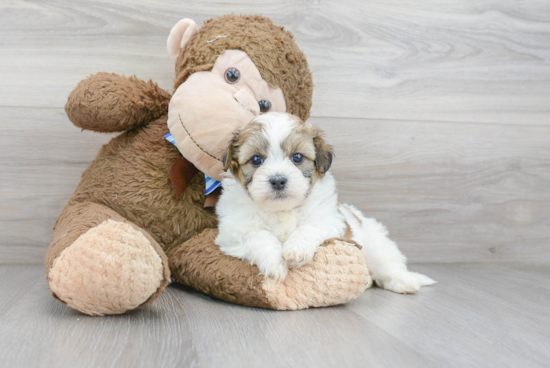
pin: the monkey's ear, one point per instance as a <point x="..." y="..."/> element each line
<point x="323" y="153"/>
<point x="180" y="34"/>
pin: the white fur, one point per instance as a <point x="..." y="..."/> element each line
<point x="275" y="234"/>
<point x="387" y="265"/>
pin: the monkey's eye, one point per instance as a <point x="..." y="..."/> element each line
<point x="297" y="158"/>
<point x="264" y="105"/>
<point x="256" y="160"/>
<point x="232" y="75"/>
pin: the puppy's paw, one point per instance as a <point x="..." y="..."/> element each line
<point x="275" y="269"/>
<point x="403" y="281"/>
<point x="298" y="254"/>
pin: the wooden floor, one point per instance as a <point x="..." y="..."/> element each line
<point x="478" y="315"/>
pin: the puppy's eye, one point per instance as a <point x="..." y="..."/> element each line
<point x="297" y="158"/>
<point x="256" y="160"/>
<point x="264" y="105"/>
<point x="232" y="75"/>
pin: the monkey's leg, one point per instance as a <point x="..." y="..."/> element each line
<point x="337" y="274"/>
<point x="100" y="263"/>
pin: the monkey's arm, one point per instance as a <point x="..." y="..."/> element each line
<point x="337" y="274"/>
<point x="107" y="102"/>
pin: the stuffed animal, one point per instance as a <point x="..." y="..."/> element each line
<point x="141" y="215"/>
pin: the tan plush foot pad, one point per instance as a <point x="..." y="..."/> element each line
<point x="110" y="269"/>
<point x="337" y="275"/>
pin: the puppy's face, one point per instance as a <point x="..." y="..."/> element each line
<point x="278" y="158"/>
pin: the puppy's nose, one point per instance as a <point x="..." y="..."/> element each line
<point x="278" y="182"/>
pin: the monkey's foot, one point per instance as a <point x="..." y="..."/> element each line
<point x="337" y="275"/>
<point x="110" y="269"/>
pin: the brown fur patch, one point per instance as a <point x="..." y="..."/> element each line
<point x="348" y="234"/>
<point x="199" y="263"/>
<point x="131" y="103"/>
<point x="245" y="173"/>
<point x="130" y="176"/>
<point x="309" y="141"/>
<point x="251" y="141"/>
<point x="245" y="144"/>
<point x="324" y="153"/>
<point x="309" y="170"/>
<point x="300" y="140"/>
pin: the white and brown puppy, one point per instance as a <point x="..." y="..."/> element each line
<point x="279" y="204"/>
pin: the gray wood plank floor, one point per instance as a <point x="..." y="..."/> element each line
<point x="478" y="315"/>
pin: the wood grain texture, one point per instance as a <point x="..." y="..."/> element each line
<point x="439" y="111"/>
<point x="447" y="192"/>
<point x="467" y="61"/>
<point x="41" y="159"/>
<point x="15" y="282"/>
<point x="477" y="315"/>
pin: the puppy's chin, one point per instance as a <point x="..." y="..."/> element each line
<point x="277" y="201"/>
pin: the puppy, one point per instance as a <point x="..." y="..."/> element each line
<point x="279" y="204"/>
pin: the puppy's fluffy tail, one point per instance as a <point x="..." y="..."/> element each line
<point x="385" y="261"/>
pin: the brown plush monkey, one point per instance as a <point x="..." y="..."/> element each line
<point x="138" y="216"/>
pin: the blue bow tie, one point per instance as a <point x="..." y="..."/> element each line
<point x="209" y="183"/>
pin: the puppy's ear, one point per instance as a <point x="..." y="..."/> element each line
<point x="227" y="158"/>
<point x="323" y="153"/>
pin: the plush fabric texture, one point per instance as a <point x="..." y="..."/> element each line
<point x="130" y="176"/>
<point x="280" y="62"/>
<point x="76" y="220"/>
<point x="181" y="173"/>
<point x="125" y="213"/>
<point x="206" y="110"/>
<point x="116" y="104"/>
<point x="337" y="275"/>
<point x="199" y="263"/>
<point x="180" y="34"/>
<point x="108" y="270"/>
